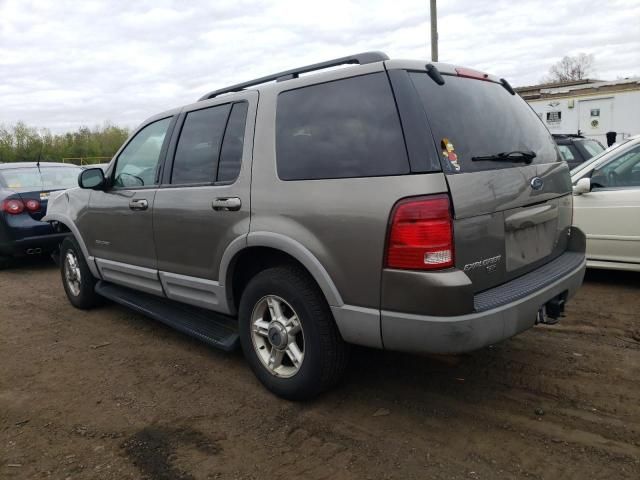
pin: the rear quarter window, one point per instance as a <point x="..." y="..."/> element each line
<point x="340" y="129"/>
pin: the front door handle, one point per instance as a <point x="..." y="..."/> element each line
<point x="138" y="204"/>
<point x="226" y="204"/>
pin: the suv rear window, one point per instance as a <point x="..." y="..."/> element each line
<point x="473" y="118"/>
<point x="592" y="147"/>
<point x="569" y="153"/>
<point x="340" y="129"/>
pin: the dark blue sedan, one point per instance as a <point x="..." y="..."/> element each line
<point x="24" y="191"/>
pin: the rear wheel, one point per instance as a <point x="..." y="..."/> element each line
<point x="288" y="334"/>
<point x="77" y="279"/>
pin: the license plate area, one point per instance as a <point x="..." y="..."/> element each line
<point x="529" y="244"/>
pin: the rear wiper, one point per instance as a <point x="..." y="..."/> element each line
<point x="515" y="156"/>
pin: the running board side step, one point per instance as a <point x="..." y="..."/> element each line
<point x="212" y="328"/>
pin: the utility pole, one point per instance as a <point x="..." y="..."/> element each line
<point x="434" y="32"/>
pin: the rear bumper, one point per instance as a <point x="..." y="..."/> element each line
<point x="20" y="233"/>
<point x="499" y="313"/>
<point x="19" y="247"/>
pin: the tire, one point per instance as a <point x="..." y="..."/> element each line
<point x="325" y="354"/>
<point x="77" y="280"/>
<point x="5" y="262"/>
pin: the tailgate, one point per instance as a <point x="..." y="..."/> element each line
<point x="504" y="228"/>
<point x="510" y="190"/>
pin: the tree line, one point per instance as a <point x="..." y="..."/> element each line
<point x="22" y="143"/>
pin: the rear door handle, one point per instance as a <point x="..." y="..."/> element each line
<point x="226" y="204"/>
<point x="138" y="204"/>
<point x="531" y="216"/>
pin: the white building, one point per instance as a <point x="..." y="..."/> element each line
<point x="588" y="107"/>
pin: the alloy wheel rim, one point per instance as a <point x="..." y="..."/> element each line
<point x="72" y="274"/>
<point x="277" y="336"/>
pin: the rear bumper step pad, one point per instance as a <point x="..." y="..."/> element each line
<point x="528" y="283"/>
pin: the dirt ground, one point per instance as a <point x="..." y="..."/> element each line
<point x="109" y="394"/>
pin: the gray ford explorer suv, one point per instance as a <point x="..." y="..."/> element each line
<point x="389" y="203"/>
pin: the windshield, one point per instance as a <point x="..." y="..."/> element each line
<point x="473" y="118"/>
<point x="47" y="178"/>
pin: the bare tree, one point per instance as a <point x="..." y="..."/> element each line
<point x="569" y="68"/>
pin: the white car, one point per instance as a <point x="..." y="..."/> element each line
<point x="607" y="206"/>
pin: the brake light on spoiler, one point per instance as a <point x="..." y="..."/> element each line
<point x="420" y="234"/>
<point x="471" y="73"/>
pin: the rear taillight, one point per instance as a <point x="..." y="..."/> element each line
<point x="32" y="205"/>
<point x="421" y="234"/>
<point x="13" y="207"/>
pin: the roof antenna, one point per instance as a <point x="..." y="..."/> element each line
<point x="40" y="152"/>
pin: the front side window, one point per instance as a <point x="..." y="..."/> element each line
<point x="198" y="150"/>
<point x="137" y="164"/>
<point x="622" y="172"/>
<point x="340" y="129"/>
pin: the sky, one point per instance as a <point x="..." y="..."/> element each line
<point x="66" y="64"/>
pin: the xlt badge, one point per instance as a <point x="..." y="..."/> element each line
<point x="490" y="264"/>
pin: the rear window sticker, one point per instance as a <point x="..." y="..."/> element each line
<point x="448" y="151"/>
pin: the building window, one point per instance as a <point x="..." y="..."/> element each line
<point x="554" y="117"/>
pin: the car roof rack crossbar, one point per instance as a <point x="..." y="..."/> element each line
<point x="360" y="59"/>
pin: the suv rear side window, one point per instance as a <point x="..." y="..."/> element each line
<point x="475" y="118"/>
<point x="340" y="129"/>
<point x="198" y="150"/>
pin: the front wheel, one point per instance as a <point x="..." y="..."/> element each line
<point x="288" y="334"/>
<point x="77" y="279"/>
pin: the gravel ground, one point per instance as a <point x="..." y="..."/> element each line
<point x="108" y="394"/>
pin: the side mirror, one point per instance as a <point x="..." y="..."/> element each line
<point x="582" y="186"/>
<point x="92" y="178"/>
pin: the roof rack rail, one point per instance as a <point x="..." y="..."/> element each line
<point x="360" y="58"/>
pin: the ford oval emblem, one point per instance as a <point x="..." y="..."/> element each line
<point x="537" y="183"/>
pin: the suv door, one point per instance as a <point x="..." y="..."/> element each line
<point x="204" y="202"/>
<point x="117" y="227"/>
<point x="609" y="213"/>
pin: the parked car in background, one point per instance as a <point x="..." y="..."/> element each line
<point x="102" y="166"/>
<point x="607" y="206"/>
<point x="576" y="149"/>
<point x="392" y="204"/>
<point x="24" y="193"/>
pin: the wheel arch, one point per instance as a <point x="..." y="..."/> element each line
<point x="272" y="248"/>
<point x="71" y="226"/>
